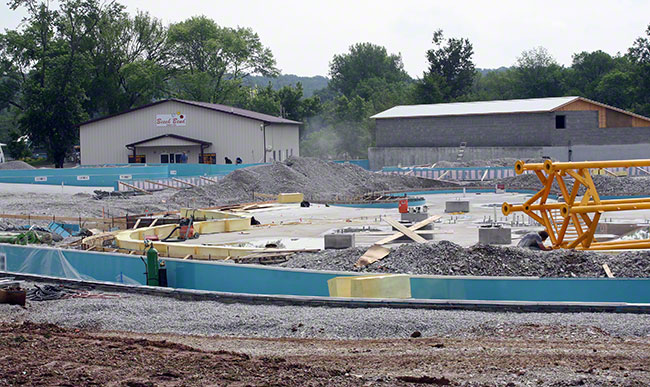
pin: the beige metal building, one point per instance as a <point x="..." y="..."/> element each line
<point x="164" y="131"/>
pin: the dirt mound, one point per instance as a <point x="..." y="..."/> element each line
<point x="317" y="179"/>
<point x="447" y="258"/>
<point x="16" y="164"/>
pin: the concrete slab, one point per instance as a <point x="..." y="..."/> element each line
<point x="494" y="235"/>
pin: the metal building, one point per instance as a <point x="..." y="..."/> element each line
<point x="172" y="130"/>
<point x="564" y="128"/>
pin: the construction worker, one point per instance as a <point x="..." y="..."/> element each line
<point x="534" y="241"/>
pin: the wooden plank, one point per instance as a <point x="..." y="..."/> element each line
<point x="154" y="222"/>
<point x="137" y="223"/>
<point x="608" y="271"/>
<point x="134" y="187"/>
<point x="162" y="184"/>
<point x="184" y="182"/>
<point x="405" y="230"/>
<point x="372" y="255"/>
<point x="414" y="227"/>
<point x="208" y="179"/>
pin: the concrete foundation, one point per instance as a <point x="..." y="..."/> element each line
<point x="339" y="241"/>
<point x="494" y="236"/>
<point x="457" y="206"/>
<point x="414" y="217"/>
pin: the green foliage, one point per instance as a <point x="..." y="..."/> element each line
<point x="537" y="75"/>
<point x="451" y="71"/>
<point x="358" y="72"/>
<point x="310" y="85"/>
<point x="212" y="60"/>
<point x="18" y="145"/>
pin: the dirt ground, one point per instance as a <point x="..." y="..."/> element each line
<point x="42" y="354"/>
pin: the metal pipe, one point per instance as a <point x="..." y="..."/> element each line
<point x="521" y="166"/>
<point x="559" y="166"/>
<point x="607" y="208"/>
<point x="507" y="208"/>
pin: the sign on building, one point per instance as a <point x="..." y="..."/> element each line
<point x="175" y="119"/>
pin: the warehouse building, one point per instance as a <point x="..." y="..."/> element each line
<point x="174" y="131"/>
<point x="564" y="128"/>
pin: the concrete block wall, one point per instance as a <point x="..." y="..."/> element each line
<point x="477" y="130"/>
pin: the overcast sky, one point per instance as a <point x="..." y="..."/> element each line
<point x="305" y="34"/>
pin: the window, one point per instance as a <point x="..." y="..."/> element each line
<point x="291" y="151"/>
<point x="178" y="157"/>
<point x="164" y="158"/>
<point x="287" y="154"/>
<point x="560" y="122"/>
<point x="273" y="155"/>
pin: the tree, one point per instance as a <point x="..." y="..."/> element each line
<point x="587" y="70"/>
<point x="51" y="55"/>
<point x="639" y="55"/>
<point x="18" y="145"/>
<point x="537" y="75"/>
<point x="365" y="63"/>
<point x="212" y="61"/>
<point x="451" y="71"/>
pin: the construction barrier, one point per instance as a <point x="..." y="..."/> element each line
<point x="493" y="173"/>
<point x="253" y="279"/>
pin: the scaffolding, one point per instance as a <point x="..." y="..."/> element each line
<point x="571" y="223"/>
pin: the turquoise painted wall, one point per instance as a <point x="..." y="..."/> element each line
<point x="225" y="277"/>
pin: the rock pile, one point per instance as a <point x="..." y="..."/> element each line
<point x="16" y="164"/>
<point x="447" y="258"/>
<point x="317" y="179"/>
<point x="606" y="185"/>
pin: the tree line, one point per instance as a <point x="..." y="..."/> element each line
<point x="86" y="59"/>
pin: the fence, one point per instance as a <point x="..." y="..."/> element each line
<point x="491" y="173"/>
<point x="109" y="175"/>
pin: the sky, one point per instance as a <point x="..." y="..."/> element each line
<point x="305" y="35"/>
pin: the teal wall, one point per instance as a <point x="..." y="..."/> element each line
<point x="97" y="176"/>
<point x="227" y="277"/>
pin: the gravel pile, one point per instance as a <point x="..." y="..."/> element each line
<point x="605" y="184"/>
<point x="16" y="164"/>
<point x="141" y="313"/>
<point x="316" y="179"/>
<point x="448" y="258"/>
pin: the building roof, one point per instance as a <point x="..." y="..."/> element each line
<point x="183" y="139"/>
<point x="531" y="105"/>
<point x="266" y="118"/>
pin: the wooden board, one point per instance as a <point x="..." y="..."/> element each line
<point x="416" y="226"/>
<point x="373" y="254"/>
<point x="608" y="271"/>
<point x="409" y="233"/>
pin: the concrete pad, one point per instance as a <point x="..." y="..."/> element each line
<point x="457" y="206"/>
<point x="339" y="241"/>
<point x="494" y="235"/>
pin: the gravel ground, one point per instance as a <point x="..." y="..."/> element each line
<point x="316" y="179"/>
<point x="83" y="204"/>
<point x="448" y="258"/>
<point x="151" y="314"/>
